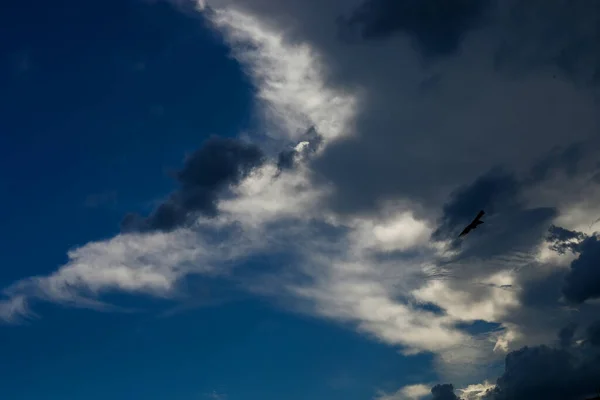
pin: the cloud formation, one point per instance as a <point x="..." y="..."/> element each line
<point x="436" y="26"/>
<point x="443" y="392"/>
<point x="583" y="280"/>
<point x="549" y="373"/>
<point x="207" y="172"/>
<point x="342" y="218"/>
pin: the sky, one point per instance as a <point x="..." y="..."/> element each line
<point x="258" y="199"/>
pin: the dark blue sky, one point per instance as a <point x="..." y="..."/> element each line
<point x="99" y="99"/>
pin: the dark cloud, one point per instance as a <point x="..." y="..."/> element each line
<point x="509" y="227"/>
<point x="566" y="159"/>
<point x="543" y="372"/>
<point x="488" y="192"/>
<point x="566" y="334"/>
<point x="443" y="392"/>
<point x="583" y="280"/>
<point x="562" y="240"/>
<point x="436" y="26"/>
<point x="593" y="333"/>
<point x="543" y="292"/>
<point x="206" y="173"/>
<point x="563" y="34"/>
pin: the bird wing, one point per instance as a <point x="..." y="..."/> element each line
<point x="479" y="215"/>
<point x="465" y="231"/>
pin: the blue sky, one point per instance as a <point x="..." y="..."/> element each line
<point x="260" y="200"/>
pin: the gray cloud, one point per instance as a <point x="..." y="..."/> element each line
<point x="421" y="130"/>
<point x="593" y="333"/>
<point x="436" y="26"/>
<point x="419" y="143"/>
<point x="543" y="292"/>
<point x="510" y="227"/>
<point x="562" y="240"/>
<point x="565" y="159"/>
<point x="488" y="192"/>
<point x="443" y="392"/>
<point x="544" y="372"/>
<point x="562" y="34"/>
<point x="583" y="280"/>
<point x="566" y="334"/>
<point x="206" y="173"/>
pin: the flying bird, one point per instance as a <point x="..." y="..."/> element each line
<point x="474" y="224"/>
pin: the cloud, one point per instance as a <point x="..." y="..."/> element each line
<point x="289" y="78"/>
<point x="217" y="165"/>
<point x="566" y="159"/>
<point x="309" y="144"/>
<point x="14" y="309"/>
<point x="436" y="26"/>
<point x="475" y="391"/>
<point x="143" y="264"/>
<point x="443" y="392"/>
<point x="409" y="392"/>
<point x="395" y="151"/>
<point x="593" y="333"/>
<point x="562" y="239"/>
<point x="493" y="189"/>
<point x="563" y="35"/>
<point x="583" y="280"/>
<point x="549" y="373"/>
<point x="566" y="334"/>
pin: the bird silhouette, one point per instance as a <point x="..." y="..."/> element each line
<point x="473" y="225"/>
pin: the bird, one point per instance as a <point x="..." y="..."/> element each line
<point x="474" y="224"/>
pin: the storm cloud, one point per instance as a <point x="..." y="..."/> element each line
<point x="583" y="280"/>
<point x="548" y="373"/>
<point x="206" y="173"/>
<point x="436" y="26"/>
<point x="443" y="392"/>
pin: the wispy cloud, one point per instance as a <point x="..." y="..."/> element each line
<point x="410" y="392"/>
<point x="289" y="77"/>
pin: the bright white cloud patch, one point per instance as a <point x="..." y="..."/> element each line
<point x="289" y="79"/>
<point x="476" y="391"/>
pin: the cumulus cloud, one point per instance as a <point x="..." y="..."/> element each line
<point x="549" y="373"/>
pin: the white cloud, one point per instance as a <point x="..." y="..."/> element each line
<point x="14" y="309"/>
<point x="399" y="231"/>
<point x="475" y="391"/>
<point x="492" y="304"/>
<point x="262" y="198"/>
<point x="137" y="263"/>
<point x="289" y="78"/>
<point x="410" y="392"/>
